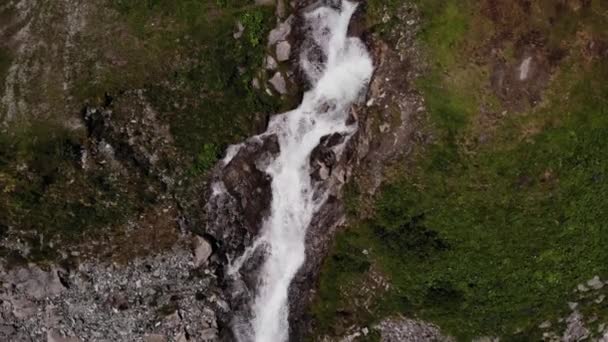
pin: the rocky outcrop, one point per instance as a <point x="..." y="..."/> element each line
<point x="236" y="204"/>
<point x="581" y="323"/>
<point x="279" y="53"/>
<point x="240" y="196"/>
<point x="131" y="128"/>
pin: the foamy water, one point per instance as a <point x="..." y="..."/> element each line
<point x="337" y="82"/>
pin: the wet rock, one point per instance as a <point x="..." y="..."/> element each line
<point x="278" y="83"/>
<point x="234" y="213"/>
<point x="323" y="158"/>
<point x="248" y="184"/>
<point x="202" y="251"/>
<point x="283" y="51"/>
<point x="323" y="172"/>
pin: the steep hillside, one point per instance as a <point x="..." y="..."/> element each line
<point x="468" y="202"/>
<point x="494" y="222"/>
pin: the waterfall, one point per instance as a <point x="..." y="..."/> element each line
<point x="339" y="69"/>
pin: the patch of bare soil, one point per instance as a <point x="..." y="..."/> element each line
<point x="153" y="232"/>
<point x="524" y="46"/>
<point x="519" y="77"/>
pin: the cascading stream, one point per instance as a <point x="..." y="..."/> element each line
<point x="338" y="81"/>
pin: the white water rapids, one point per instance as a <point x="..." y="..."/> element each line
<point x="337" y="81"/>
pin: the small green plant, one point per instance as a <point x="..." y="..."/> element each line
<point x="253" y="21"/>
<point x="206" y="158"/>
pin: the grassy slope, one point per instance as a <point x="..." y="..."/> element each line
<point x="490" y="238"/>
<point x="217" y="104"/>
<point x="182" y="54"/>
<point x="45" y="190"/>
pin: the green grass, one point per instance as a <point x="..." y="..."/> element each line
<point x="206" y="158"/>
<point x="444" y="28"/>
